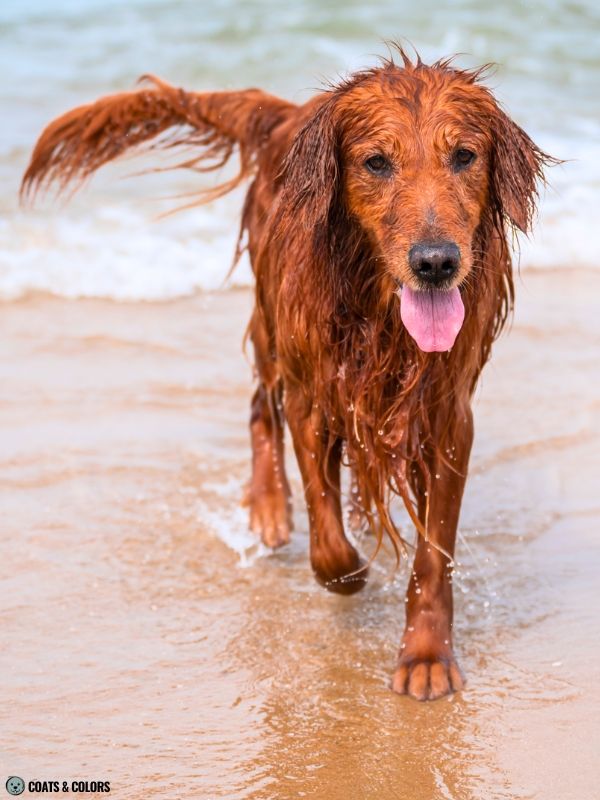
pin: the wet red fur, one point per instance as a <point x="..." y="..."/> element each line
<point x="329" y="244"/>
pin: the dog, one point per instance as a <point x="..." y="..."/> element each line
<point x="377" y="221"/>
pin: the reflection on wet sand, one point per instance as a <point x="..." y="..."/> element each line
<point x="152" y="643"/>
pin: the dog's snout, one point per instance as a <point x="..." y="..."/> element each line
<point x="434" y="263"/>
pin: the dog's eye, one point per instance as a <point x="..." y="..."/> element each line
<point x="462" y="159"/>
<point x="378" y="165"/>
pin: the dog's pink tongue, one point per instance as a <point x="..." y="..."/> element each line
<point x="432" y="317"/>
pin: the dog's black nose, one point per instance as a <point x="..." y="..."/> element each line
<point x="434" y="263"/>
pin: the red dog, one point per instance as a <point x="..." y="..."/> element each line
<point x="377" y="222"/>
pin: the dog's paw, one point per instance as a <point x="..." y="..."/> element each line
<point x="270" y="518"/>
<point x="427" y="679"/>
<point x="339" y="568"/>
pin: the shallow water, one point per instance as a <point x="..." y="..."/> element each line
<point x="148" y="640"/>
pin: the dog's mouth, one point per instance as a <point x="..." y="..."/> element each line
<point x="433" y="317"/>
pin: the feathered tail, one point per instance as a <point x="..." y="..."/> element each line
<point x="76" y="144"/>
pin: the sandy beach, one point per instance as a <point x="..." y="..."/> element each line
<point x="149" y="641"/>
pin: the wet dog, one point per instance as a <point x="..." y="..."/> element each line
<point x="377" y="222"/>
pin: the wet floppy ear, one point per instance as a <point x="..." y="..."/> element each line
<point x="311" y="169"/>
<point x="517" y="167"/>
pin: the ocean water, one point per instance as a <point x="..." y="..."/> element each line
<point x="112" y="239"/>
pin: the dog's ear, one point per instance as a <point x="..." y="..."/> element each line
<point x="311" y="169"/>
<point x="517" y="168"/>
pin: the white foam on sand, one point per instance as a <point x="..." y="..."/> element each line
<point x="228" y="521"/>
<point x="119" y="252"/>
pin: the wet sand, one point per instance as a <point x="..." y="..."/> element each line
<point x="143" y="644"/>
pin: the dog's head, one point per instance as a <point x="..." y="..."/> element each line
<point x="419" y="157"/>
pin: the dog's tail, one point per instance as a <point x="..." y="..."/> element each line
<point x="76" y="144"/>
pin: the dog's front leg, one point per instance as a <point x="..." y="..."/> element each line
<point x="427" y="668"/>
<point x="334" y="560"/>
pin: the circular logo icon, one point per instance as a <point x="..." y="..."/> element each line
<point x="15" y="785"/>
